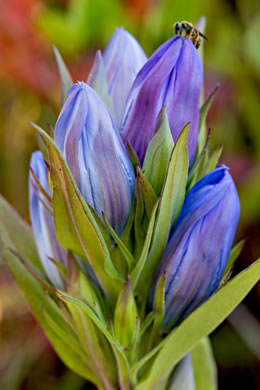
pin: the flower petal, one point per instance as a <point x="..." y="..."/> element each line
<point x="172" y="77"/>
<point x="43" y="223"/>
<point x="200" y="244"/>
<point x="96" y="155"/>
<point x="123" y="58"/>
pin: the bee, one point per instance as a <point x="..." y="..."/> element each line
<point x="189" y="31"/>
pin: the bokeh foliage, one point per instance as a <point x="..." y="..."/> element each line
<point x="29" y="90"/>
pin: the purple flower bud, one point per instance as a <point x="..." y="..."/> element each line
<point x="200" y="244"/>
<point x="96" y="155"/>
<point x="172" y="77"/>
<point x="43" y="222"/>
<point x="123" y="58"/>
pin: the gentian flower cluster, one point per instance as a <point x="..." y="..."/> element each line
<point x="132" y="221"/>
<point x="93" y="141"/>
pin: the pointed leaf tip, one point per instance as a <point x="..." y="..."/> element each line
<point x="65" y="77"/>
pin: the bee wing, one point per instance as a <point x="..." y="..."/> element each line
<point x="203" y="36"/>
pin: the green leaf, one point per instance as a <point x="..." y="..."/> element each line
<point x="200" y="323"/>
<point x="97" y="79"/>
<point x="148" y="193"/>
<point x="159" y="299"/>
<point x="205" y="163"/>
<point x="158" y="152"/>
<point x="139" y="216"/>
<point x="204" y="366"/>
<point x="122" y="363"/>
<point x="147" y="322"/>
<point x="132" y="155"/>
<point x="235" y="252"/>
<point x="125" y="315"/>
<point x="80" y="285"/>
<point x="47" y="312"/>
<point x="142" y="362"/>
<point x="38" y="276"/>
<point x="172" y="198"/>
<point x="126" y="253"/>
<point x="96" y="347"/>
<point x="76" y="361"/>
<point x="66" y="80"/>
<point x="213" y="159"/>
<point x="126" y="236"/>
<point x="76" y="227"/>
<point x="135" y="275"/>
<point x="203" y="113"/>
<point x="16" y="233"/>
<point x="197" y="170"/>
<point x="154" y="336"/>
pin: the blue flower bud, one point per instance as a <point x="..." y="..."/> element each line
<point x="96" y="155"/>
<point x="200" y="244"/>
<point x="172" y="77"/>
<point x="123" y="58"/>
<point x="43" y="223"/>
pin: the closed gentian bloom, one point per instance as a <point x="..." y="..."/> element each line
<point x="200" y="244"/>
<point x="172" y="77"/>
<point x="43" y="223"/>
<point x="123" y="58"/>
<point x="87" y="137"/>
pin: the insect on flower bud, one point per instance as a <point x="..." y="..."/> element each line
<point x="171" y="77"/>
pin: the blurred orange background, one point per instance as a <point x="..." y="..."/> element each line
<point x="30" y="91"/>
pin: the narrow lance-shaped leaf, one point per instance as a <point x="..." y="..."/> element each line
<point x="158" y="308"/>
<point x="66" y="80"/>
<point x="149" y="196"/>
<point x="203" y="113"/>
<point x="139" y="215"/>
<point x="213" y="159"/>
<point x="126" y="253"/>
<point x="76" y="227"/>
<point x="197" y="169"/>
<point x="159" y="303"/>
<point x="137" y="271"/>
<point x="200" y="323"/>
<point x="122" y="363"/>
<point x="96" y="346"/>
<point x="80" y="284"/>
<point x="125" y="315"/>
<point x="126" y="234"/>
<point x="204" y="366"/>
<point x="68" y="349"/>
<point x="39" y="277"/>
<point x="158" y="152"/>
<point x="171" y="202"/>
<point x="17" y="234"/>
<point x="235" y="252"/>
<point x="132" y="155"/>
<point x="97" y="79"/>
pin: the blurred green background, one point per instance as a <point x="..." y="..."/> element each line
<point x="30" y="91"/>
